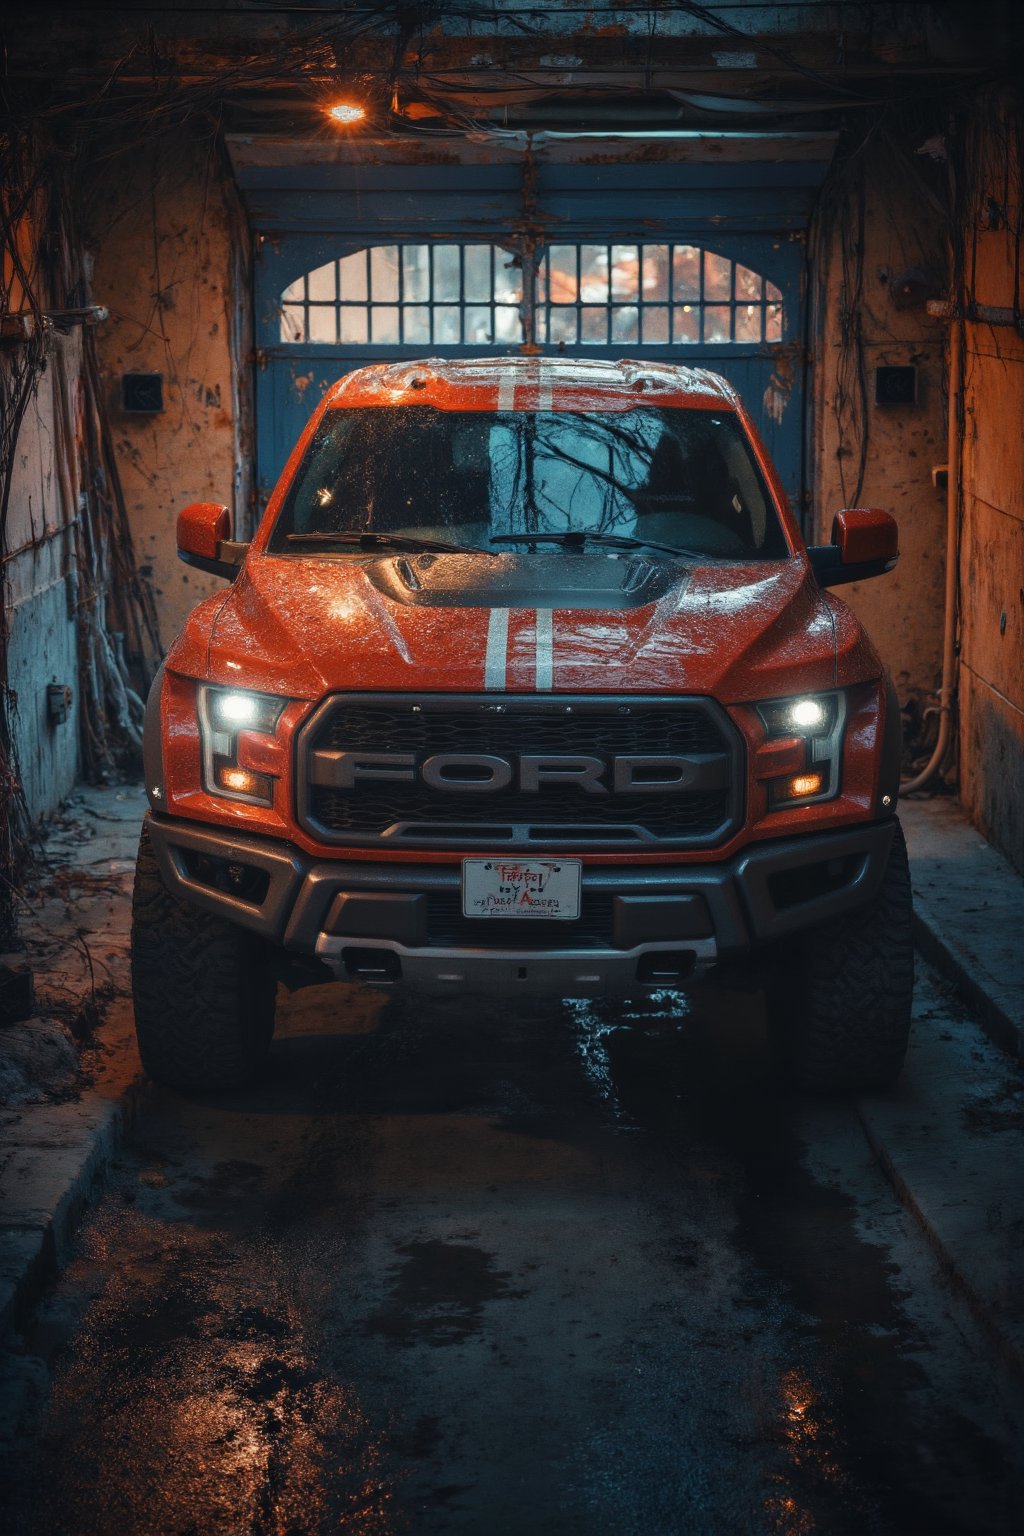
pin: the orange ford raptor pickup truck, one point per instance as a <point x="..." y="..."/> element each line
<point x="526" y="684"/>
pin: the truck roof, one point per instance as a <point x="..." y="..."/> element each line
<point x="532" y="384"/>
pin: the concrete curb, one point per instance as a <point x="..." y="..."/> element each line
<point x="1008" y="1344"/>
<point x="54" y="1163"/>
<point x="990" y="1011"/>
<point x="968" y="915"/>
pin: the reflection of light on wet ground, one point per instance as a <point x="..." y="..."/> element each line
<point x="597" y="1021"/>
<point x="810" y="1437"/>
<point x="215" y="1404"/>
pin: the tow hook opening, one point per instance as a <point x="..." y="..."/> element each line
<point x="666" y="967"/>
<point x="371" y="964"/>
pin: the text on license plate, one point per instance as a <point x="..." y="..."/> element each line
<point x="521" y="887"/>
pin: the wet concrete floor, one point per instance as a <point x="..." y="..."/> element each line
<point x="471" y="1268"/>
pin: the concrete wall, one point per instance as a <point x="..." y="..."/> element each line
<point x="870" y="233"/>
<point x="992" y="538"/>
<point x="171" y="264"/>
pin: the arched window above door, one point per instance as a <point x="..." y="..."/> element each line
<point x="652" y="295"/>
<point x="427" y="294"/>
<point x="583" y="294"/>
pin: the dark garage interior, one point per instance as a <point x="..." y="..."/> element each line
<point x="506" y="1264"/>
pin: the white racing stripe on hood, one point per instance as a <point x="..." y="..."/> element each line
<point x="506" y="390"/>
<point x="545" y="650"/>
<point x="496" y="654"/>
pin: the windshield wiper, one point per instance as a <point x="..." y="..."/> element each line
<point x="409" y="541"/>
<point x="578" y="538"/>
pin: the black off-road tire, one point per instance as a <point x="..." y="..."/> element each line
<point x="839" y="1005"/>
<point x="204" y="996"/>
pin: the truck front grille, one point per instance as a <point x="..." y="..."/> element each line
<point x="407" y="814"/>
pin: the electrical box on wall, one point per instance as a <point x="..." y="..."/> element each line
<point x="142" y="394"/>
<point x="896" y="386"/>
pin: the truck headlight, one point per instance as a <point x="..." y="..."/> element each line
<point x="224" y="714"/>
<point x="816" y="719"/>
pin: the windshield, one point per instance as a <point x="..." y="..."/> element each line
<point x="681" y="479"/>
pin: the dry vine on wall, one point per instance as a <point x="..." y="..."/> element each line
<point x="45" y="291"/>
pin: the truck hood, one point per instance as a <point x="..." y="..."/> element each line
<point x="582" y="622"/>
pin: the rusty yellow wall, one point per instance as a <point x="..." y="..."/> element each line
<point x="902" y="611"/>
<point x="991" y="678"/>
<point x="170" y="266"/>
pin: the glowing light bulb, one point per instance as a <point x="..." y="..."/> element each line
<point x="347" y="112"/>
<point x="807" y="712"/>
<point x="238" y="708"/>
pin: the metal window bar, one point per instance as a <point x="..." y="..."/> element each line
<point x="764" y="302"/>
<point x="702" y="304"/>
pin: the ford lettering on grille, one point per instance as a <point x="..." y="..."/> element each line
<point x="483" y="773"/>
<point x="465" y="771"/>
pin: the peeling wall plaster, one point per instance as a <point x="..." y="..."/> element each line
<point x="171" y="265"/>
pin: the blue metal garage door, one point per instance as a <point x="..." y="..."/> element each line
<point x="694" y="263"/>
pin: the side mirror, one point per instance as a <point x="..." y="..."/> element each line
<point x="865" y="542"/>
<point x="204" y="539"/>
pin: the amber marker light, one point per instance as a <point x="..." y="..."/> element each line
<point x="346" y="112"/>
<point x="244" y="783"/>
<point x="802" y="785"/>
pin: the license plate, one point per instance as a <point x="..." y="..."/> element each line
<point x="521" y="888"/>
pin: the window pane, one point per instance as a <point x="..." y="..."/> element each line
<point x="416" y="272"/>
<point x="717" y="276"/>
<point x="625" y="273"/>
<point x="748" y="322"/>
<point x="507" y="324"/>
<point x="478" y="323"/>
<point x="655" y="324"/>
<point x="748" y="284"/>
<point x="686" y="323"/>
<point x="716" y="322"/>
<point x="773" y="323"/>
<point x="594" y="323"/>
<point x="353" y="323"/>
<point x="323" y="323"/>
<point x="540" y="327"/>
<point x="655" y="272"/>
<point x="293" y="320"/>
<point x="686" y="272"/>
<point x="562" y="274"/>
<point x="384" y="321"/>
<point x="383" y="273"/>
<point x="352" y="277"/>
<point x="446" y="323"/>
<point x="478" y="274"/>
<point x="446" y="273"/>
<point x="594" y="273"/>
<point x="508" y="278"/>
<point x="625" y="323"/>
<point x="321" y="284"/>
<point x="294" y="293"/>
<point x="416" y="321"/>
<point x="562" y="325"/>
<point x="772" y="294"/>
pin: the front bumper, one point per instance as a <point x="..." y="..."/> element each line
<point x="656" y="927"/>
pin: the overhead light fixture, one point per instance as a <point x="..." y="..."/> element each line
<point x="347" y="112"/>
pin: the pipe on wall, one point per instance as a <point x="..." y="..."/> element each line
<point x="947" y="690"/>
